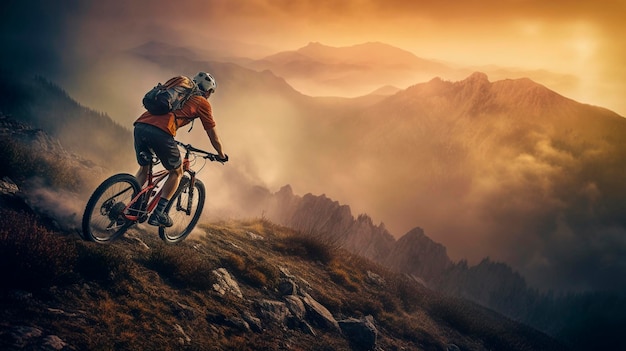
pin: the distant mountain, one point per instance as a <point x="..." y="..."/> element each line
<point x="416" y="254"/>
<point x="81" y="130"/>
<point x="523" y="172"/>
<point x="386" y="90"/>
<point x="538" y="170"/>
<point x="331" y="222"/>
<point x="321" y="70"/>
<point x="582" y="321"/>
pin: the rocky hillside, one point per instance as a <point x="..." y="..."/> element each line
<point x="83" y="131"/>
<point x="232" y="285"/>
<point x="488" y="283"/>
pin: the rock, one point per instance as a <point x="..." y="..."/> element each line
<point x="31" y="338"/>
<point x="238" y="323"/>
<point x="362" y="333"/>
<point x="284" y="273"/>
<point x="375" y="279"/>
<point x="184" y="339"/>
<point x="295" y="306"/>
<point x="183" y="311"/>
<point x="254" y="236"/>
<point x="253" y="322"/>
<point x="225" y="283"/>
<point x="319" y="314"/>
<point x="274" y="310"/>
<point x="8" y="187"/>
<point x="21" y="336"/>
<point x="307" y="328"/>
<point x="53" y="342"/>
<point x="287" y="287"/>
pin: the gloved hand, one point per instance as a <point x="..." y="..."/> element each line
<point x="222" y="160"/>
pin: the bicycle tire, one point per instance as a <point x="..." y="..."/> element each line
<point x="183" y="222"/>
<point x="103" y="220"/>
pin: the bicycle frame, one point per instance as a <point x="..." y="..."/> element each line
<point x="148" y="191"/>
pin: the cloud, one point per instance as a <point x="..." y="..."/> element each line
<point x="81" y="45"/>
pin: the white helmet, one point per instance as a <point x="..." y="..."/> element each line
<point x="205" y="82"/>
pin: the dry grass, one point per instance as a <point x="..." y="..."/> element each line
<point x="31" y="255"/>
<point x="19" y="162"/>
<point x="123" y="297"/>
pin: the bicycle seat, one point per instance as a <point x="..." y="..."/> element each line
<point x="149" y="157"/>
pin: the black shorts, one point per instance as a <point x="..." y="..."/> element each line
<point x="153" y="140"/>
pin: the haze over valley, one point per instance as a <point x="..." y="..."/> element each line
<point x="476" y="147"/>
<point x="514" y="163"/>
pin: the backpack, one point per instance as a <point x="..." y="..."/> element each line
<point x="161" y="100"/>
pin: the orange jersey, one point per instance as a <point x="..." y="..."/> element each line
<point x="195" y="107"/>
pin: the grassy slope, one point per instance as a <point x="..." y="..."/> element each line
<point x="127" y="296"/>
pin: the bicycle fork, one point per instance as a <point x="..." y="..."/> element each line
<point x="190" y="188"/>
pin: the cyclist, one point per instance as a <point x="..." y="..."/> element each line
<point x="156" y="133"/>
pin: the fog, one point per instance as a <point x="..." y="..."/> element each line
<point x="510" y="211"/>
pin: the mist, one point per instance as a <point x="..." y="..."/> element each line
<point x="522" y="211"/>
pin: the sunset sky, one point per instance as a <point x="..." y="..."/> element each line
<point x="581" y="38"/>
<point x="77" y="43"/>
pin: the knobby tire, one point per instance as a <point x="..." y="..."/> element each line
<point x="103" y="220"/>
<point x="183" y="222"/>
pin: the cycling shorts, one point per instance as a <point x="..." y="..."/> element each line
<point x="155" y="141"/>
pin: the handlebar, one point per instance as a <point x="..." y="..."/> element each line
<point x="208" y="155"/>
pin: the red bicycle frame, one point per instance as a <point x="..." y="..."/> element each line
<point x="148" y="190"/>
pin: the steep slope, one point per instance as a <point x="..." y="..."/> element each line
<point x="81" y="130"/>
<point x="236" y="285"/>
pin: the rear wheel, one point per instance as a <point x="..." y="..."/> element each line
<point x="185" y="209"/>
<point x="103" y="220"/>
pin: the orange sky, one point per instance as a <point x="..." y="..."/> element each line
<point x="77" y="44"/>
<point x="581" y="38"/>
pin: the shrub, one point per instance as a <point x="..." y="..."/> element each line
<point x="255" y="272"/>
<point x="339" y="275"/>
<point x="182" y="266"/>
<point x="20" y="163"/>
<point x="103" y="264"/>
<point x="308" y="247"/>
<point x="31" y="255"/>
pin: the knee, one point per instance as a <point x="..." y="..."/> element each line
<point x="176" y="172"/>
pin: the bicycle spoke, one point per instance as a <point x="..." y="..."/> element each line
<point x="104" y="218"/>
<point x="184" y="213"/>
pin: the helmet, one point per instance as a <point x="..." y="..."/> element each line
<point x="205" y="82"/>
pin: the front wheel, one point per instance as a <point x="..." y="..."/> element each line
<point x="104" y="220"/>
<point x="185" y="209"/>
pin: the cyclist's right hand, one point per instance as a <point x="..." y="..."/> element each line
<point x="222" y="160"/>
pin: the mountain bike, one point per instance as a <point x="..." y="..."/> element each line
<point x="120" y="201"/>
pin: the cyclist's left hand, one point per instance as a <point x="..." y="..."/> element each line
<point x="222" y="160"/>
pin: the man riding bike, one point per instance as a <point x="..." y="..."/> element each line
<point x="155" y="133"/>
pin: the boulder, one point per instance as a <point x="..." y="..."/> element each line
<point x="319" y="314"/>
<point x="361" y="333"/>
<point x="274" y="310"/>
<point x="225" y="283"/>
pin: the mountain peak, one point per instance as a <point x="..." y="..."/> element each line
<point x="477" y="77"/>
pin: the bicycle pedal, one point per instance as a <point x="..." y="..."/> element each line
<point x="142" y="218"/>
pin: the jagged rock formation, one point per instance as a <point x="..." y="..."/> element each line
<point x="418" y="255"/>
<point x="332" y="222"/>
<point x="414" y="253"/>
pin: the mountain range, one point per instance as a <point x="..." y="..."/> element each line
<point x="247" y="284"/>
<point x="321" y="70"/>
<point x="508" y="169"/>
